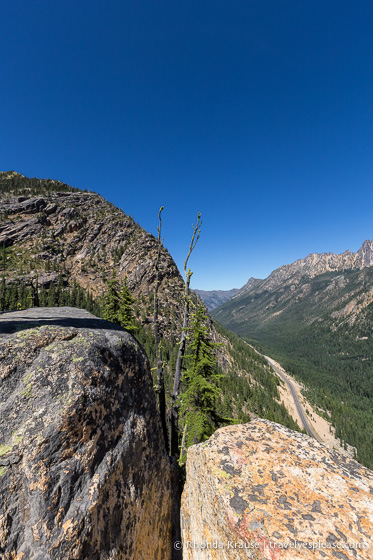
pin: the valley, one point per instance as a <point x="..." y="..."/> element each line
<point x="292" y="394"/>
<point x="299" y="409"/>
<point x="315" y="317"/>
<point x="81" y="400"/>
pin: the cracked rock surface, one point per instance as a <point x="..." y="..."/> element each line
<point x="83" y="469"/>
<point x="262" y="491"/>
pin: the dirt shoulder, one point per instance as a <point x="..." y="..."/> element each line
<point x="324" y="429"/>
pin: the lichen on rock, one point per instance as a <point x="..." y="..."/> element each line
<point x="83" y="469"/>
<point x="261" y="491"/>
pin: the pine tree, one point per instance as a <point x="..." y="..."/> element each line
<point x="12" y="297"/>
<point x="112" y="300"/>
<point x="51" y="301"/>
<point x="200" y="393"/>
<point x="125" y="309"/>
<point x="42" y="297"/>
<point x="73" y="295"/>
<point x="35" y="291"/>
<point x="59" y="290"/>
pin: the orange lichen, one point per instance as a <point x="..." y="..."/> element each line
<point x="276" y="488"/>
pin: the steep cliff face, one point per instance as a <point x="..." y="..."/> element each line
<point x="83" y="470"/>
<point x="54" y="229"/>
<point x="262" y="491"/>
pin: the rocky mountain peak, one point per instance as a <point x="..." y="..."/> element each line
<point x="365" y="254"/>
<point x="251" y="283"/>
<point x="311" y="266"/>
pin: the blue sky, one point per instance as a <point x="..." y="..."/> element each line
<point x="257" y="113"/>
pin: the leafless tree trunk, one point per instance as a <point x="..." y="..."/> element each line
<point x="160" y="386"/>
<point x="3" y="283"/>
<point x="35" y="291"/>
<point x="182" y="346"/>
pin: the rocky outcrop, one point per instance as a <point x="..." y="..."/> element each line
<point x="83" y="237"/>
<point x="311" y="266"/>
<point x="262" y="491"/>
<point x="83" y="469"/>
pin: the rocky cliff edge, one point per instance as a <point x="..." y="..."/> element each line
<point x="264" y="492"/>
<point x="83" y="470"/>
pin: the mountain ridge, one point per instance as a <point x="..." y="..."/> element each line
<point x="214" y="298"/>
<point x="79" y="234"/>
<point x="315" y="317"/>
<point x="314" y="264"/>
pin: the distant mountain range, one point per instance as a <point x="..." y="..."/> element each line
<point x="313" y="265"/>
<point x="273" y="298"/>
<point x="316" y="316"/>
<point x="214" y="298"/>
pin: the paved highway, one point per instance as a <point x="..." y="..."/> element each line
<point x="300" y="410"/>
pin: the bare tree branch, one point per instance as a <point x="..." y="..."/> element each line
<point x="182" y="346"/>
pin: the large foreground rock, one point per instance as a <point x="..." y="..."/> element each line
<point x="83" y="470"/>
<point x="262" y="491"/>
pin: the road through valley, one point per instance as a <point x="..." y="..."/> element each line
<point x="300" y="409"/>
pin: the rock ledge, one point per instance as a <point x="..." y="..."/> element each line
<point x="83" y="472"/>
<point x="262" y="491"/>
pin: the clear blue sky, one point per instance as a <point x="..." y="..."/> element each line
<point x="257" y="113"/>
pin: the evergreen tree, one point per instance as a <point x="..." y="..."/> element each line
<point x="112" y="300"/>
<point x="23" y="296"/>
<point x="2" y="294"/>
<point x="12" y="297"/>
<point x="59" y="290"/>
<point x="73" y="295"/>
<point x="51" y="301"/>
<point x="42" y="297"/>
<point x="118" y="304"/>
<point x="200" y="393"/>
<point x="125" y="309"/>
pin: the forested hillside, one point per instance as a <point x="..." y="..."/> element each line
<point x="320" y="329"/>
